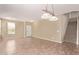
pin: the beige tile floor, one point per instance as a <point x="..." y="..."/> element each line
<point x="34" y="46"/>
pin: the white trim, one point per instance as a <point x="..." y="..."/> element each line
<point x="15" y="19"/>
<point x="47" y="39"/>
<point x="77" y="31"/>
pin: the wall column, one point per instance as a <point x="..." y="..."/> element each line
<point x="77" y="31"/>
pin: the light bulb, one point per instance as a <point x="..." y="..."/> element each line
<point x="53" y="18"/>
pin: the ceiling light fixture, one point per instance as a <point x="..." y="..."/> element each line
<point x="49" y="15"/>
<point x="46" y="16"/>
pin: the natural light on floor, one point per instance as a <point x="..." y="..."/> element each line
<point x="10" y="47"/>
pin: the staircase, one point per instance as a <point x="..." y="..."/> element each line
<point x="71" y="32"/>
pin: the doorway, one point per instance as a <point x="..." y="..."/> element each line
<point x="28" y="30"/>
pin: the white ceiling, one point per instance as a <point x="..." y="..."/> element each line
<point x="33" y="11"/>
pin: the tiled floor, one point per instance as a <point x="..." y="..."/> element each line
<point x="34" y="46"/>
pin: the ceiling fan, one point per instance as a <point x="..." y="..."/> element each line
<point x="48" y="14"/>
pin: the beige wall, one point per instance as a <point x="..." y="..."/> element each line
<point x="43" y="29"/>
<point x="19" y="30"/>
<point x="49" y="30"/>
<point x="63" y="24"/>
<point x="4" y="28"/>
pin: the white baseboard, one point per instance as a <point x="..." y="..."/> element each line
<point x="47" y="39"/>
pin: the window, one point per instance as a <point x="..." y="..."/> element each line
<point x="11" y="27"/>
